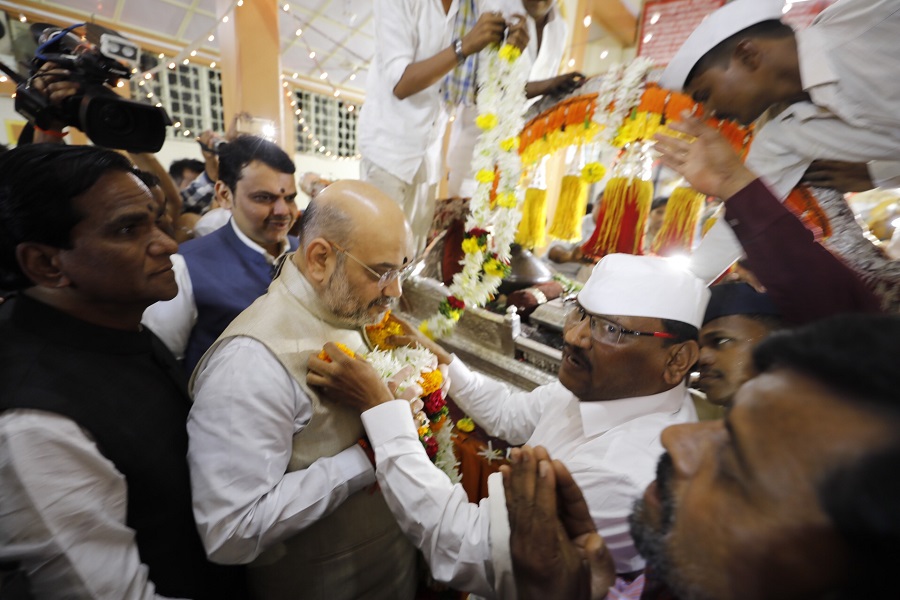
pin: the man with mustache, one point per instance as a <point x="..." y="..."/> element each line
<point x="737" y="318"/>
<point x="630" y="340"/>
<point x="803" y="280"/>
<point x="95" y="498"/>
<point x="220" y="274"/>
<point x="793" y="495"/>
<point x="278" y="478"/>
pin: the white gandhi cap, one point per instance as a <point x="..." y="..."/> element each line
<point x="716" y="28"/>
<point x="644" y="286"/>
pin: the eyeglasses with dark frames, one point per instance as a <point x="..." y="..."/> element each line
<point x="606" y="331"/>
<point x="384" y="279"/>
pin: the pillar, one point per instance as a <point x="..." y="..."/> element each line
<point x="251" y="65"/>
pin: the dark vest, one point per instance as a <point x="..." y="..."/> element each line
<point x="227" y="276"/>
<point x="127" y="391"/>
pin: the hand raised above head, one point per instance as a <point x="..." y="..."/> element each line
<point x="349" y="381"/>
<point x="704" y="158"/>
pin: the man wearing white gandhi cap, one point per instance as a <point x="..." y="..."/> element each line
<point x="838" y="82"/>
<point x="629" y="342"/>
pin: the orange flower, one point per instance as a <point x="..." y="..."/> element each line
<point x="436" y="425"/>
<point x="380" y="332"/>
<point x="324" y="355"/>
<point x="431" y="382"/>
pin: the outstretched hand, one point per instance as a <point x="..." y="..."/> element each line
<point x="349" y="381"/>
<point x="416" y="339"/>
<point x="707" y="161"/>
<point x="556" y="551"/>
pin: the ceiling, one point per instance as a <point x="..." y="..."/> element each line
<point x="335" y="36"/>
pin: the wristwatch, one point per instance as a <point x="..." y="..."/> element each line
<point x="457" y="49"/>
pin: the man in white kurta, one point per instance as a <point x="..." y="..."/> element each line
<point x="839" y="76"/>
<point x="621" y="383"/>
<point x="277" y="477"/>
<point x="400" y="126"/>
<point x="544" y="52"/>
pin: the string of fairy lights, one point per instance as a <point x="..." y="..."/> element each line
<point x="195" y="52"/>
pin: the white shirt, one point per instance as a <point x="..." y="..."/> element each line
<point x="396" y="134"/>
<point x="246" y="410"/>
<point x="545" y="62"/>
<point x="173" y="320"/>
<point x="211" y="220"/>
<point x="849" y="68"/>
<point x="612" y="449"/>
<point x="64" y="508"/>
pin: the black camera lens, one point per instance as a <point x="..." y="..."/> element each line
<point x="117" y="119"/>
<point x="114" y="122"/>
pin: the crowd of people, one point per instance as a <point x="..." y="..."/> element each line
<point x="179" y="419"/>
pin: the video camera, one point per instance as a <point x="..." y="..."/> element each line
<point x="106" y="118"/>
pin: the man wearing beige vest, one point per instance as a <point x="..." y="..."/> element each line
<point x="278" y="478"/>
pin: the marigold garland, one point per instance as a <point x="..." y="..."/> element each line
<point x="322" y="355"/>
<point x="425" y="379"/>
<point x="494" y="207"/>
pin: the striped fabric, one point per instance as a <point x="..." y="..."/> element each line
<point x="626" y="591"/>
<point x="458" y="87"/>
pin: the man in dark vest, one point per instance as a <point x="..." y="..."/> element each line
<point x="95" y="497"/>
<point x="222" y="273"/>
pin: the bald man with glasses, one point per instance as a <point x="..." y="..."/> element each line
<point x="630" y="340"/>
<point x="279" y="479"/>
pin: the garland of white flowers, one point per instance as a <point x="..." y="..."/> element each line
<point x="621" y="88"/>
<point x="418" y="362"/>
<point x="491" y="226"/>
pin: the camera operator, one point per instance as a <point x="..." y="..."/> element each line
<point x="55" y="83"/>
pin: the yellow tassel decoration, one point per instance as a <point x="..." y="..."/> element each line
<point x="622" y="219"/>
<point x="572" y="205"/>
<point x="676" y="235"/>
<point x="532" y="227"/>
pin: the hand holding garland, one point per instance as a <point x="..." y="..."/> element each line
<point x="349" y="380"/>
<point x="411" y="336"/>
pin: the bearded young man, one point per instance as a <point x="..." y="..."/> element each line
<point x="278" y="478"/>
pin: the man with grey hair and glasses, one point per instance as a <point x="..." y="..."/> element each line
<point x="279" y="479"/>
<point x="630" y="340"/>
